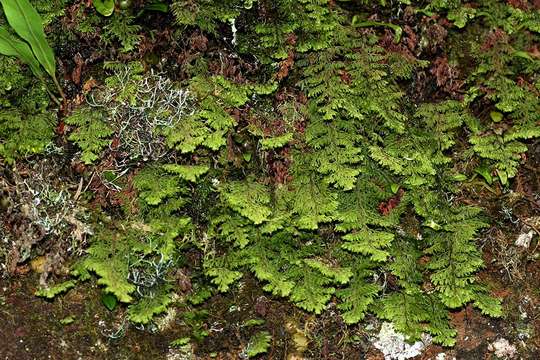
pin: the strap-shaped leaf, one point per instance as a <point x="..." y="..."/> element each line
<point x="11" y="46"/>
<point x="27" y="23"/>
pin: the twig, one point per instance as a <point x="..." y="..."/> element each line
<point x="79" y="188"/>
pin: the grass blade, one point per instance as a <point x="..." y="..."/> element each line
<point x="27" y="23"/>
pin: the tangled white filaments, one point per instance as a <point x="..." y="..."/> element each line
<point x="154" y="104"/>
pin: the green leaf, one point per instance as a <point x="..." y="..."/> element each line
<point x="523" y="55"/>
<point x="11" y="46"/>
<point x="340" y="275"/>
<point x="250" y="199"/>
<point x="459" y="177"/>
<point x="276" y="142"/>
<point x="394" y="188"/>
<point x="145" y="309"/>
<point x="109" y="300"/>
<point x="67" y="320"/>
<point x="187" y="172"/>
<point x="180" y="342"/>
<point x="461" y="15"/>
<point x="104" y="7"/>
<point x="485" y="172"/>
<point x="27" y="23"/>
<point x="488" y="305"/>
<point x="157" y="6"/>
<point x="223" y="278"/>
<point x="496" y="116"/>
<point x="503" y="177"/>
<point x="51" y="292"/>
<point x="253" y="322"/>
<point x="432" y="224"/>
<point x="369" y="242"/>
<point x="247" y="157"/>
<point x="258" y="344"/>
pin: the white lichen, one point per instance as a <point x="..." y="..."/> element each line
<point x="524" y="239"/>
<point x="394" y="346"/>
<point x="503" y="349"/>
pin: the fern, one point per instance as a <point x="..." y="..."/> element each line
<point x="187" y="172"/>
<point x="250" y="199"/>
<point x="107" y="258"/>
<point x="312" y="202"/>
<point x="53" y="291"/>
<point x="258" y="344"/>
<point x="92" y="134"/>
<point x="206" y="14"/>
<point x="361" y="293"/>
<point x="26" y="125"/>
<point x="420" y="153"/>
<point x="150" y="305"/>
<point x="312" y="170"/>
<point x="121" y="29"/>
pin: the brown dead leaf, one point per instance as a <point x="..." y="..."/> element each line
<point x="285" y="66"/>
<point x="89" y="85"/>
<point x="22" y="270"/>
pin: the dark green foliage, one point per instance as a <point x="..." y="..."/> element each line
<point x="26" y="127"/>
<point x="206" y="14"/>
<point x="121" y="29"/>
<point x="420" y="153"/>
<point x="24" y="134"/>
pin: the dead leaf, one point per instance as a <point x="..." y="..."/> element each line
<point x="89" y="85"/>
<point x="76" y="73"/>
<point x="38" y="264"/>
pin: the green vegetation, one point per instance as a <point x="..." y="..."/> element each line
<point x="301" y="148"/>
<point x="34" y="50"/>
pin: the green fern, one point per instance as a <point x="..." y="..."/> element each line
<point x="92" y="134"/>
<point x="122" y="29"/>
<point x="258" y="344"/>
<point x="250" y="199"/>
<point x="150" y="305"/>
